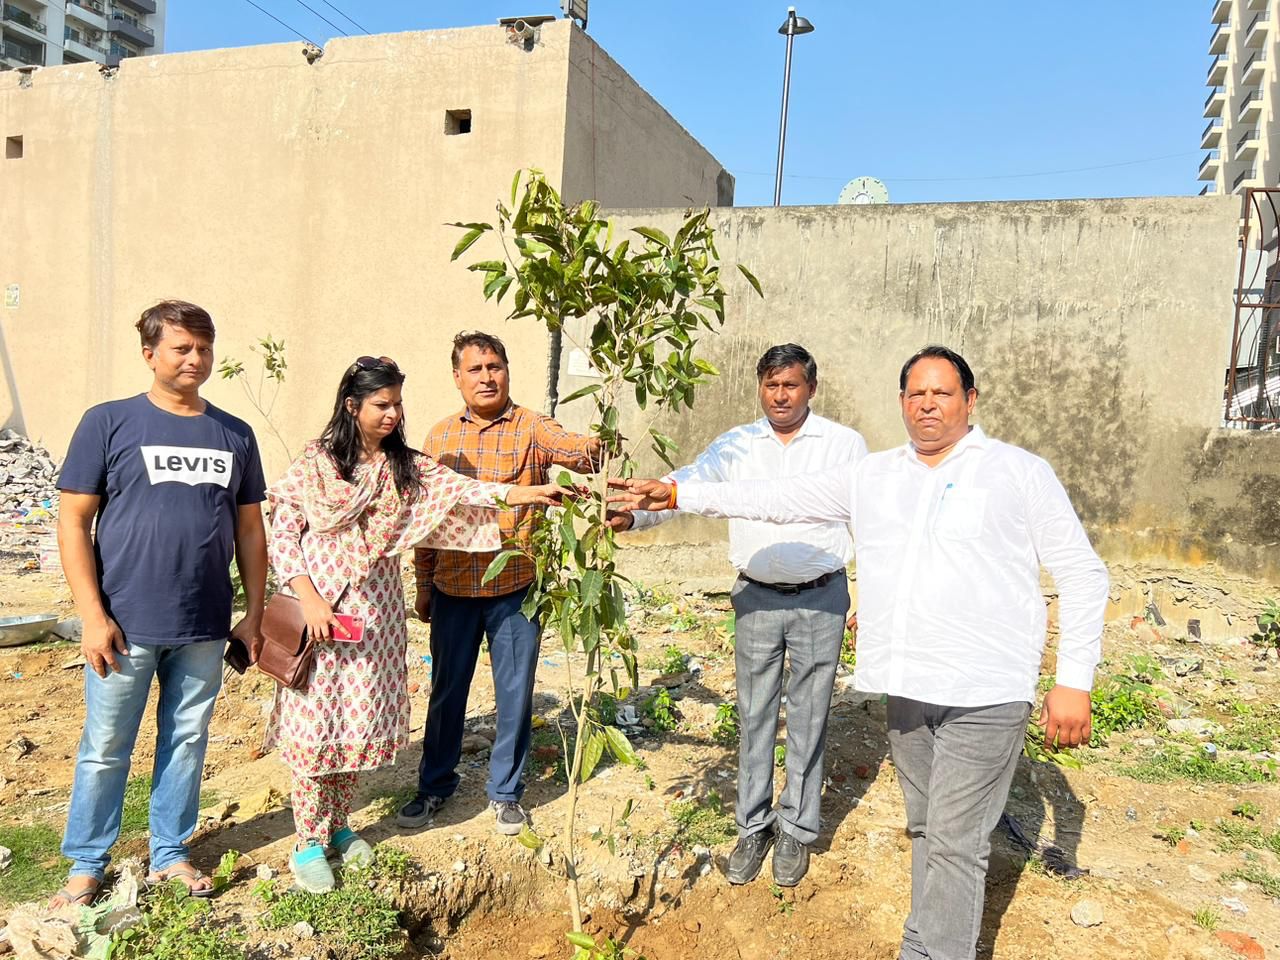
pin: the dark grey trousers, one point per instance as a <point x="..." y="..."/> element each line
<point x="807" y="628"/>
<point x="955" y="765"/>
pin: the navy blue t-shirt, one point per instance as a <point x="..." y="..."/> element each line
<point x="170" y="488"/>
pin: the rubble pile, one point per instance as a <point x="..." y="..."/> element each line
<point x="27" y="473"/>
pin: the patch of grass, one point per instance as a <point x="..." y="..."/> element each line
<point x="1168" y="765"/>
<point x="1206" y="918"/>
<point x="37" y="868"/>
<point x="1254" y="731"/>
<point x="670" y="660"/>
<point x="135" y="815"/>
<point x="1121" y="703"/>
<point x="176" y="926"/>
<point x="1233" y="836"/>
<point x="1172" y="835"/>
<point x="1246" y="809"/>
<point x="702" y="823"/>
<point x="388" y="804"/>
<point x="360" y="914"/>
<point x="1255" y="873"/>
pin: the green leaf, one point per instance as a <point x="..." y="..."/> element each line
<point x="498" y="564"/>
<point x="751" y="279"/>
<point x="532" y="248"/>
<point x="591" y="587"/>
<point x="528" y="838"/>
<point x="592" y="751"/>
<point x="583" y="392"/>
<point x="468" y="238"/>
<point x="580" y="940"/>
<point x="654" y="234"/>
<point x="619" y="745"/>
<point x="515" y="185"/>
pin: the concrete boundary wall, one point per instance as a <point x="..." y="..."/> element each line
<point x="1099" y="332"/>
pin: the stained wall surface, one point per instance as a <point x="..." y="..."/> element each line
<point x="1099" y="332"/>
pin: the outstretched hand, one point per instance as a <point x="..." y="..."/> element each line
<point x="640" y="495"/>
<point x="542" y="494"/>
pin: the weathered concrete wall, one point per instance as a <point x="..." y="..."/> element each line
<point x="1098" y="331"/>
<point x="305" y="200"/>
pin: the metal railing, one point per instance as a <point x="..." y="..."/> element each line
<point x="133" y="21"/>
<point x="1251" y="398"/>
<point x="1208" y="188"/>
<point x="1259" y="58"/>
<point x="1251" y="97"/>
<point x="1215" y="123"/>
<point x="1213" y="92"/>
<point x="1211" y="157"/>
<point x="18" y="15"/>
<point x="15" y="51"/>
<point x="1244" y="175"/>
<point x="93" y="5"/>
<point x="1264" y="15"/>
<point x="75" y="36"/>
<point x="1222" y="28"/>
<point x="1217" y="61"/>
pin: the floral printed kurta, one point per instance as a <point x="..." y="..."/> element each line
<point x="354" y="713"/>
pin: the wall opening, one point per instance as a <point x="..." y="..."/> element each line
<point x="457" y="121"/>
<point x="13" y="148"/>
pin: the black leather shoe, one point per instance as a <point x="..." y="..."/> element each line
<point x="748" y="856"/>
<point x="790" y="860"/>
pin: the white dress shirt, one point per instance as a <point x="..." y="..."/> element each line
<point x="797" y="552"/>
<point x="950" y="610"/>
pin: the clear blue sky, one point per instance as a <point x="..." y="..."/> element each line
<point x="941" y="100"/>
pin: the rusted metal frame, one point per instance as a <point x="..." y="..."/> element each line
<point x="1271" y="273"/>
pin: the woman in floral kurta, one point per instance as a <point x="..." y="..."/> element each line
<point x="341" y="515"/>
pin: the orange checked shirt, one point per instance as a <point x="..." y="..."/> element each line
<point x="519" y="447"/>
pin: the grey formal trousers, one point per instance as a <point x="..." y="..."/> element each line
<point x="807" y="628"/>
<point x="955" y="765"/>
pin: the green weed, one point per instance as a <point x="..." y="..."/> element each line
<point x="1268" y="634"/>
<point x="785" y="906"/>
<point x="1251" y="731"/>
<point x="1172" y="835"/>
<point x="1256" y="874"/>
<point x="1234" y="836"/>
<point x="724" y="729"/>
<point x="780" y="755"/>
<point x="671" y="660"/>
<point x="1121" y="703"/>
<point x="387" y="804"/>
<point x="1206" y="918"/>
<point x="662" y="711"/>
<point x="703" y="823"/>
<point x="1246" y="809"/>
<point x="1168" y="765"/>
<point x="176" y="926"/>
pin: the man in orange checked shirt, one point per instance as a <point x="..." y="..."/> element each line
<point x="496" y="440"/>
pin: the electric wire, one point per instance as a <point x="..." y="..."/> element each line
<point x="323" y="17"/>
<point x="343" y="14"/>
<point x="282" y="23"/>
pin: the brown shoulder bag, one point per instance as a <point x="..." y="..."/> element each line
<point x="285" y="653"/>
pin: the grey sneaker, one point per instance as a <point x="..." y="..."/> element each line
<point x="790" y="860"/>
<point x="419" y="811"/>
<point x="511" y="817"/>
<point x="748" y="856"/>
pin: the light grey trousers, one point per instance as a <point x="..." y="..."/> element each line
<point x="806" y="628"/>
<point x="955" y="765"/>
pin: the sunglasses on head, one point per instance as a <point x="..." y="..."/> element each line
<point x="372" y="363"/>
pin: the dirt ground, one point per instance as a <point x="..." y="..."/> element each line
<point x="1156" y="852"/>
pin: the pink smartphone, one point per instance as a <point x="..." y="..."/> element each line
<point x="353" y="625"/>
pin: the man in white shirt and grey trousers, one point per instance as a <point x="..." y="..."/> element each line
<point x="951" y="531"/>
<point x="791" y="597"/>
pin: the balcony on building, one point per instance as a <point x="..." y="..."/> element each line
<point x="1246" y="145"/>
<point x="1250" y="107"/>
<point x="1208" y="190"/>
<point x="1258" y="4"/>
<point x="1217" y="71"/>
<point x="1209" y="166"/>
<point x="23" y="23"/>
<point x="1256" y="33"/>
<point x="22" y="54"/>
<point x="1245" y="178"/>
<point x="1255" y="69"/>
<point x="1221" y="10"/>
<point x="142" y="6"/>
<point x="84" y="46"/>
<point x="1220" y="40"/>
<point x="1212" y="134"/>
<point x="132" y="30"/>
<point x="1216" y="100"/>
<point x="92" y="13"/>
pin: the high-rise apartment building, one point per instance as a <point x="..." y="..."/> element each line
<point x="1243" y="134"/>
<point x="45" y="33"/>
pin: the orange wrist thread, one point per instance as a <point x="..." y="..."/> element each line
<point x="671" y="504"/>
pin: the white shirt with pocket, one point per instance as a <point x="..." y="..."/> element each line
<point x="797" y="552"/>
<point x="950" y="609"/>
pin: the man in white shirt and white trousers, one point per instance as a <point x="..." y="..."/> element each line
<point x="791" y="597"/>
<point x="950" y="531"/>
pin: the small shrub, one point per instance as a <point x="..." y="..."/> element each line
<point x="1268" y="634"/>
<point x="1206" y="918"/>
<point x="175" y="926"/>
<point x="1172" y="835"/>
<point x="1246" y="809"/>
<point x="661" y="711"/>
<point x="1258" y="875"/>
<point x="724" y="730"/>
<point x="1121" y="703"/>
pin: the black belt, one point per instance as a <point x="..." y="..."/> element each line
<point x="790" y="589"/>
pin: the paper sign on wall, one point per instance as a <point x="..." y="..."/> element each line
<point x="11" y="296"/>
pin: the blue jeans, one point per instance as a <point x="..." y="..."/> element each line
<point x="190" y="676"/>
<point x="458" y="624"/>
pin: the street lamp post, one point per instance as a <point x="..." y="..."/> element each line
<point x="792" y="28"/>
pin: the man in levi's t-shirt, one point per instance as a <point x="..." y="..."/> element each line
<point x="159" y="492"/>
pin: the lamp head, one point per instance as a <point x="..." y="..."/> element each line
<point x="794" y="26"/>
